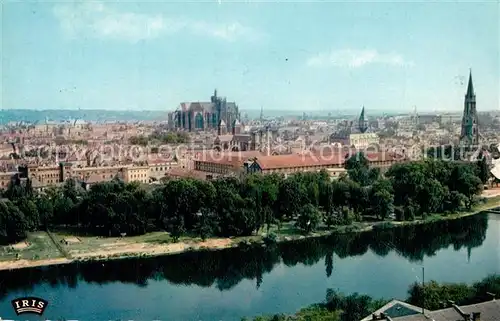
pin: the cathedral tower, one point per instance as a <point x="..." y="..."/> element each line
<point x="470" y="131"/>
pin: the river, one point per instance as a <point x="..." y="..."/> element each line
<point x="231" y="284"/>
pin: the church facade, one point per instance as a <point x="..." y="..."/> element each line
<point x="218" y="114"/>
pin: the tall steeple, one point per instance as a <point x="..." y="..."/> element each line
<point x="470" y="86"/>
<point x="214" y="97"/>
<point x="362" y="124"/>
<point x="470" y="127"/>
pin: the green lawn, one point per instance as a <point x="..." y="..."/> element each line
<point x="40" y="247"/>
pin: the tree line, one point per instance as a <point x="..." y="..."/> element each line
<point x="243" y="206"/>
<point x="431" y="296"/>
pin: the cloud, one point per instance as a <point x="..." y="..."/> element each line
<point x="96" y="20"/>
<point x="230" y="32"/>
<point x="352" y="58"/>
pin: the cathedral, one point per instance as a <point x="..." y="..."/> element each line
<point x="354" y="134"/>
<point x="218" y="114"/>
<point x="470" y="127"/>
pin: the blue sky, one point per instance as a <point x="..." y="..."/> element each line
<point x="300" y="56"/>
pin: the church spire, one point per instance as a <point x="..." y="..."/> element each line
<point x="363" y="124"/>
<point x="470" y="87"/>
<point x="470" y="128"/>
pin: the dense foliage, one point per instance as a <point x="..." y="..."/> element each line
<point x="160" y="138"/>
<point x="434" y="296"/>
<point x="242" y="206"/>
<point x="337" y="307"/>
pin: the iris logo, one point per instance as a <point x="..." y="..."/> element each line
<point x="29" y="305"/>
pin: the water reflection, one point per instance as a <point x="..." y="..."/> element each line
<point x="225" y="269"/>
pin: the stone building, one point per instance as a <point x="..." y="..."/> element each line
<point x="218" y="114"/>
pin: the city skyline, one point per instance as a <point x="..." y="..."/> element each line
<point x="294" y="56"/>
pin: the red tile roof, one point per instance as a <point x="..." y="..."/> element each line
<point x="229" y="158"/>
<point x="295" y="160"/>
<point x="314" y="159"/>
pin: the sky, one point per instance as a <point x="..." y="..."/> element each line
<point x="278" y="55"/>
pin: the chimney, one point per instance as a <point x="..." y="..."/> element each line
<point x="476" y="316"/>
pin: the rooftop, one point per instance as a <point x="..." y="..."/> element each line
<point x="490" y="311"/>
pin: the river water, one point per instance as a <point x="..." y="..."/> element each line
<point x="231" y="284"/>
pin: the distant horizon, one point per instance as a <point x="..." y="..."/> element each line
<point x="295" y="56"/>
<point x="243" y="111"/>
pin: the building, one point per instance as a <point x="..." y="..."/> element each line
<point x="45" y="175"/>
<point x="159" y="168"/>
<point x="288" y="164"/>
<point x="136" y="174"/>
<point x="355" y="136"/>
<point x="428" y="119"/>
<point x="234" y="143"/>
<point x="218" y="114"/>
<point x="224" y="165"/>
<point x="485" y="311"/>
<point x="93" y="174"/>
<point x="332" y="162"/>
<point x="470" y="128"/>
<point x="5" y="179"/>
<point x="53" y="175"/>
<point x="363" y="140"/>
<point x="395" y="309"/>
<point x="495" y="170"/>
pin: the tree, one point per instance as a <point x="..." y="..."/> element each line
<point x="359" y="171"/>
<point x="239" y="206"/>
<point x="45" y="210"/>
<point x="309" y="218"/>
<point x="483" y="169"/>
<point x="464" y="181"/>
<point x="30" y="211"/>
<point x="381" y="201"/>
<point x="430" y="196"/>
<point x="291" y="197"/>
<point x="13" y="224"/>
<point x="204" y="227"/>
<point x="433" y="296"/>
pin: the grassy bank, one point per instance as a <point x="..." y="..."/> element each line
<point x="58" y="247"/>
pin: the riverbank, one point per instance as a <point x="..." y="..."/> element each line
<point x="51" y="248"/>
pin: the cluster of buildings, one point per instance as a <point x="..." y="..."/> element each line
<point x="401" y="311"/>
<point x="221" y="144"/>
